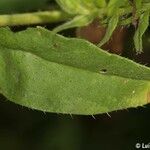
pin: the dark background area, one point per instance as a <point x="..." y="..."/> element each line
<point x="25" y="129"/>
<point x="22" y="128"/>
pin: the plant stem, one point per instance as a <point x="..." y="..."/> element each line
<point x="33" y="18"/>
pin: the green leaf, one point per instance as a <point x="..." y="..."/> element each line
<point x="86" y="11"/>
<point x="48" y="72"/>
<point x="72" y="6"/>
<point x="113" y="6"/>
<point x="110" y="29"/>
<point x="81" y="7"/>
<point x="93" y="4"/>
<point x="77" y="21"/>
<point x="142" y="26"/>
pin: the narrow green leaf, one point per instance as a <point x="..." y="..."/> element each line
<point x="48" y="72"/>
<point x="72" y="6"/>
<point x="77" y="21"/>
<point x="113" y="6"/>
<point x="142" y="26"/>
<point x="93" y="4"/>
<point x="81" y="7"/>
<point x="110" y="29"/>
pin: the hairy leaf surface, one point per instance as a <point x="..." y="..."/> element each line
<point x="48" y="72"/>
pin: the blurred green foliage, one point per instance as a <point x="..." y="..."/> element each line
<point x="13" y="6"/>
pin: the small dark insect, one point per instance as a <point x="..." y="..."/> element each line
<point x="55" y="45"/>
<point x="103" y="70"/>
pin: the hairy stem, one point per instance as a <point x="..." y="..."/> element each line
<point x="33" y="18"/>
